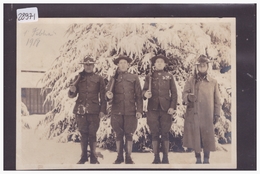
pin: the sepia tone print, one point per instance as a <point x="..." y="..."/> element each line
<point x="50" y="57"/>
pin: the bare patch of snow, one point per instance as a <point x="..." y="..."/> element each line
<point x="33" y="120"/>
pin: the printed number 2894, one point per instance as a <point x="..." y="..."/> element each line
<point x="26" y="16"/>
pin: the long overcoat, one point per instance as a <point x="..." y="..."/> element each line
<point x="198" y="125"/>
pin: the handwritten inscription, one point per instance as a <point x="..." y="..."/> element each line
<point x="35" y="36"/>
<point x="41" y="32"/>
<point x="25" y="16"/>
<point x="33" y="42"/>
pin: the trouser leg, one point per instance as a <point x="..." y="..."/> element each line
<point x="83" y="129"/>
<point x="198" y="157"/>
<point x="155" y="145"/>
<point x="93" y="156"/>
<point x="130" y="125"/>
<point x="165" y="125"/>
<point x="129" y="147"/>
<point x="93" y="121"/>
<point x="119" y="149"/>
<point x="165" y="145"/>
<point x="84" y="148"/>
<point x="206" y="157"/>
<point x="117" y="123"/>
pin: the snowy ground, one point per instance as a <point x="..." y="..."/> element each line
<point x="47" y="154"/>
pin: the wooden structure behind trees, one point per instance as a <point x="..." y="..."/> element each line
<point x="34" y="100"/>
<point x="31" y="94"/>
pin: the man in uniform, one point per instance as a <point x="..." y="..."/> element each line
<point x="162" y="103"/>
<point x="127" y="107"/>
<point x="89" y="108"/>
<point x="201" y="95"/>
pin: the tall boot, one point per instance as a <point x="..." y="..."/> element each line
<point x="129" y="146"/>
<point x="119" y="149"/>
<point x="157" y="159"/>
<point x="165" y="145"/>
<point x="93" y="156"/>
<point x="84" y="149"/>
<point x="206" y="157"/>
<point x="198" y="158"/>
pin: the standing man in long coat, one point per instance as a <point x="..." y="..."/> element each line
<point x="89" y="108"/>
<point x="162" y="101"/>
<point x="201" y="95"/>
<point x="125" y="91"/>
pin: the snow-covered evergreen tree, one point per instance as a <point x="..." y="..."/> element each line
<point x="180" y="42"/>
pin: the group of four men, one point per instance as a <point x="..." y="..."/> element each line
<point x="125" y="93"/>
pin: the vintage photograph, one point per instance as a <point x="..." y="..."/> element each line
<point x="122" y="93"/>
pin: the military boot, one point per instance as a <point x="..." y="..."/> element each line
<point x="206" y="157"/>
<point x="198" y="158"/>
<point x="129" y="146"/>
<point x="93" y="156"/>
<point x="157" y="159"/>
<point x="165" y="145"/>
<point x="119" y="149"/>
<point x="84" y="149"/>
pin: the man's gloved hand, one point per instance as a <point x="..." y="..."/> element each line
<point x="171" y="111"/>
<point x="109" y="95"/>
<point x="216" y="119"/>
<point x="148" y="94"/>
<point x="73" y="88"/>
<point x="138" y="115"/>
<point x="191" y="97"/>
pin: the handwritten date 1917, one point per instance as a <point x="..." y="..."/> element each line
<point x="33" y="42"/>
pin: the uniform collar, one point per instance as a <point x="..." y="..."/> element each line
<point x="159" y="71"/>
<point x="89" y="74"/>
<point x="84" y="73"/>
<point x="122" y="72"/>
<point x="207" y="77"/>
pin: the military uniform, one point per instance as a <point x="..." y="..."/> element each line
<point x="201" y="95"/>
<point x="127" y="100"/>
<point x="164" y="96"/>
<point x="90" y="89"/>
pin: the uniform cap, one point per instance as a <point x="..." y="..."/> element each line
<point x="153" y="59"/>
<point x="128" y="59"/>
<point x="88" y="61"/>
<point x="202" y="59"/>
